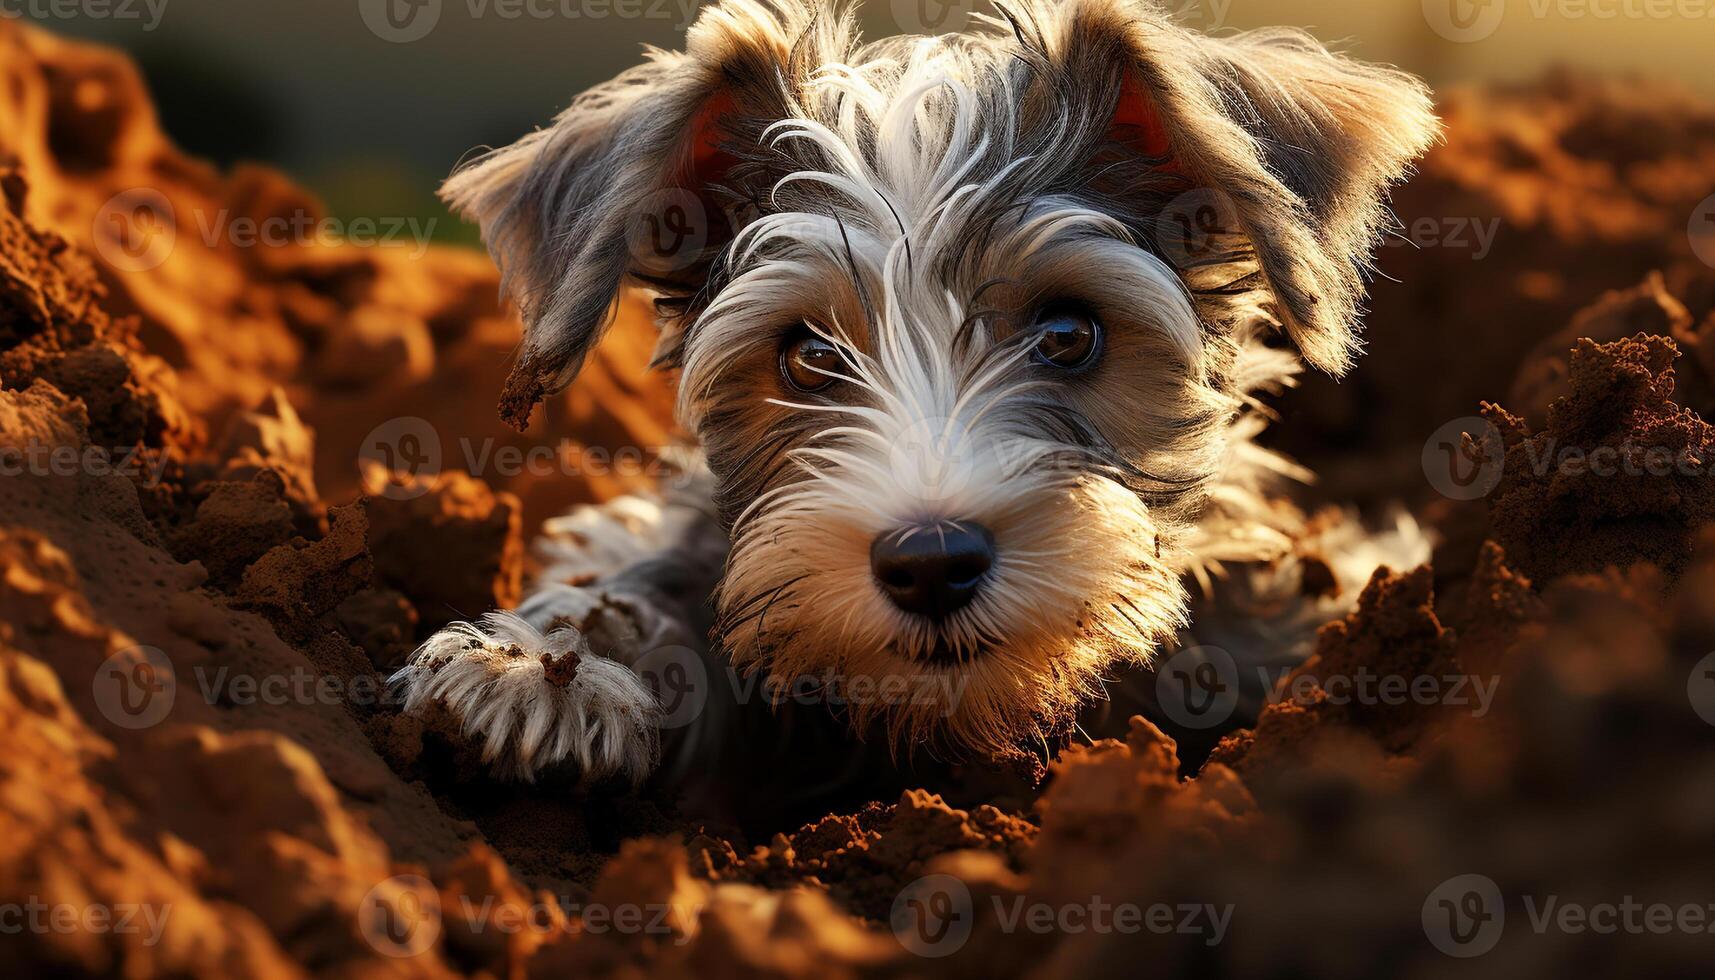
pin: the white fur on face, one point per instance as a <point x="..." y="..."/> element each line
<point x="939" y="420"/>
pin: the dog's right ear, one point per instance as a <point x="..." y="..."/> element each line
<point x="561" y="209"/>
<point x="1302" y="143"/>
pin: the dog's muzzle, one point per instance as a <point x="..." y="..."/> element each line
<point x="933" y="571"/>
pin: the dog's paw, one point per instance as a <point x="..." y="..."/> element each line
<point x="534" y="699"/>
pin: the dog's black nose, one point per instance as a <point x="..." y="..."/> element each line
<point x="933" y="571"/>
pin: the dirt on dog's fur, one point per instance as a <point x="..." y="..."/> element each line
<point x="192" y="645"/>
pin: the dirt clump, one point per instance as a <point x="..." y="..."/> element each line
<point x="451" y="543"/>
<point x="1620" y="470"/>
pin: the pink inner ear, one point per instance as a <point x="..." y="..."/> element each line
<point x="707" y="162"/>
<point x="1137" y="124"/>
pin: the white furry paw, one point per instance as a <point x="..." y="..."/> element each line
<point x="535" y="699"/>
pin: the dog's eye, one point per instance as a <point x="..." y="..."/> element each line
<point x="807" y="362"/>
<point x="1069" y="336"/>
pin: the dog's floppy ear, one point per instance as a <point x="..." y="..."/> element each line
<point x="1304" y="143"/>
<point x="560" y="210"/>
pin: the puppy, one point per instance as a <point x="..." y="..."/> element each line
<point x="971" y="332"/>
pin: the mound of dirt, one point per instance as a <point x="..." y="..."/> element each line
<point x="205" y="577"/>
<point x="1543" y="196"/>
<point x="1620" y="471"/>
<point x="241" y="283"/>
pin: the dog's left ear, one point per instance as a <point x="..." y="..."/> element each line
<point x="1305" y="143"/>
<point x="566" y="210"/>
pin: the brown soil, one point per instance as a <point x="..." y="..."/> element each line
<point x="232" y="540"/>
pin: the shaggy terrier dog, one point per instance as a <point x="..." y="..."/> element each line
<point x="971" y="332"/>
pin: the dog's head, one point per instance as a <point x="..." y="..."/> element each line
<point x="965" y="325"/>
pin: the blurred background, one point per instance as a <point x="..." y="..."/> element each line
<point x="371" y="102"/>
